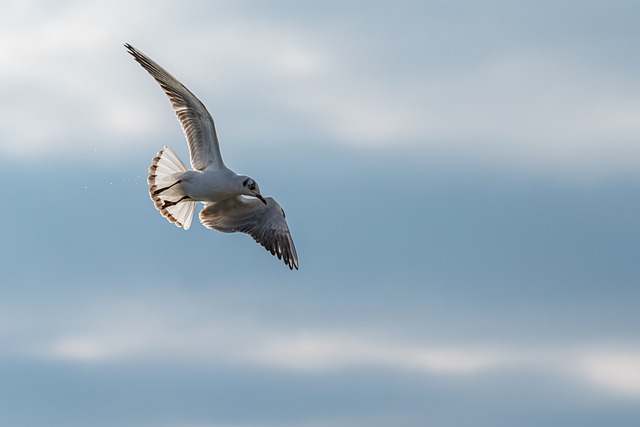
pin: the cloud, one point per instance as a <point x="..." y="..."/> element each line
<point x="312" y="352"/>
<point x="618" y="372"/>
<point x="187" y="330"/>
<point x="81" y="349"/>
<point x="326" y="351"/>
<point x="610" y="371"/>
<point x="145" y="334"/>
<point x="61" y="88"/>
<point x="536" y="107"/>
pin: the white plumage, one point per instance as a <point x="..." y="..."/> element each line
<point x="175" y="190"/>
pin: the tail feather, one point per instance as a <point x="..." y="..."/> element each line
<point x="164" y="174"/>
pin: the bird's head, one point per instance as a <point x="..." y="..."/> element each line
<point x="250" y="188"/>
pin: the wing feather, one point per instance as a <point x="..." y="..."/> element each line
<point x="265" y="223"/>
<point x="196" y="122"/>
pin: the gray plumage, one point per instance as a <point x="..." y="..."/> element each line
<point x="196" y="122"/>
<point x="265" y="223"/>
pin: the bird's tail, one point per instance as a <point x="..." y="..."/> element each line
<point x="165" y="191"/>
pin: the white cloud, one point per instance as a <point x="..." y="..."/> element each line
<point x="80" y="349"/>
<point x="141" y="334"/>
<point x="531" y="108"/>
<point x="188" y="330"/>
<point x="609" y="371"/>
<point x="66" y="78"/>
<point x="617" y="371"/>
<point x="322" y="351"/>
<point x="312" y="352"/>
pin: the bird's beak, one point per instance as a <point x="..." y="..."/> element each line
<point x="261" y="198"/>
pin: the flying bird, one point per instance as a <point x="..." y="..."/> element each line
<point x="175" y="190"/>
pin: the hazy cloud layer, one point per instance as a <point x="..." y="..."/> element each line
<point x="506" y="85"/>
<point x="189" y="331"/>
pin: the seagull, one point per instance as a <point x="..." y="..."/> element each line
<point x="176" y="190"/>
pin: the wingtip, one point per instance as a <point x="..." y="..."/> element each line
<point x="133" y="52"/>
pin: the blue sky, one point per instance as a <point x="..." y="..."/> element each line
<point x="460" y="179"/>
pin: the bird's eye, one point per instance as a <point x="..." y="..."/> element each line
<point x="252" y="187"/>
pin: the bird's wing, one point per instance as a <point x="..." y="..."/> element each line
<point x="193" y="116"/>
<point x="265" y="223"/>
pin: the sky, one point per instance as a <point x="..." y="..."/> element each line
<point x="460" y="179"/>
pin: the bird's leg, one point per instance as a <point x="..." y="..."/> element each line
<point x="155" y="193"/>
<point x="170" y="203"/>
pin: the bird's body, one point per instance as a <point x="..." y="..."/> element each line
<point x="211" y="185"/>
<point x="175" y="190"/>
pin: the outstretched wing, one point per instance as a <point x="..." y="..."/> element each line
<point x="265" y="223"/>
<point x="194" y="118"/>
